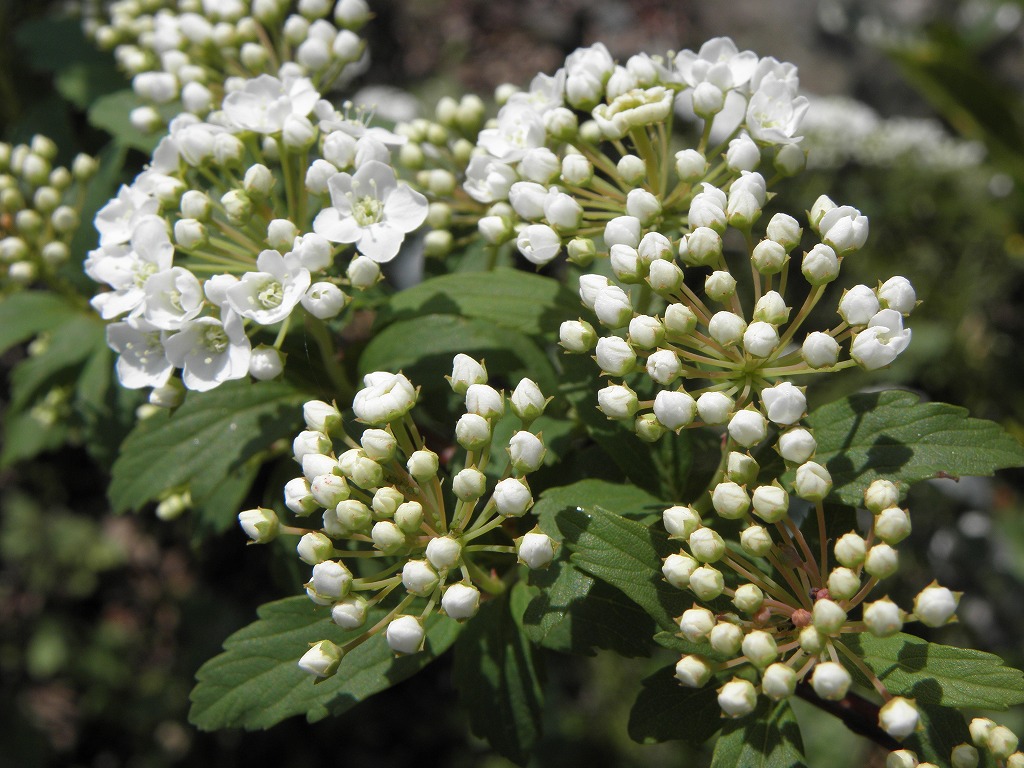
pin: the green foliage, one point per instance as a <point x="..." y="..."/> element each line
<point x="767" y="738"/>
<point x="893" y="435"/>
<point x="665" y="710"/>
<point x="256" y="682"/>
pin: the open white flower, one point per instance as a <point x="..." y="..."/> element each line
<point x="125" y="268"/>
<point x="116" y="221"/>
<point x="371" y="209"/>
<point x="269" y="295"/>
<point x="142" y="361"/>
<point x="265" y="102"/>
<point x="173" y="297"/>
<point x="210" y="351"/>
<point x="882" y="341"/>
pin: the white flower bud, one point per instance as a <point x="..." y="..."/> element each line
<point x="964" y="756"/>
<point x="820" y="265"/>
<point x="512" y="497"/>
<point x="980" y="728"/>
<point x="615" y="356"/>
<point x="726" y="638"/>
<point x="760" y="649"/>
<point x="797" y="445"/>
<point x="387" y="536"/>
<point x="298" y="498"/>
<point x="329" y="490"/>
<point x="405" y="634"/>
<point x="726" y="328"/>
<point x="821" y="206"/>
<point x="679" y="320"/>
<point x="461" y="601"/>
<point x="646" y="332"/>
<point x="760" y="339"/>
<point x="536" y="550"/>
<point x="691" y="165"/>
<point x="720" y="286"/>
<point x="577" y="336"/>
<point x="693" y="671"/>
<point x="665" y="277"/>
<point x="469" y="484"/>
<point x="422" y="465"/>
<point x="314" y="548"/>
<point x="465" y="372"/>
<point x="829" y="617"/>
<point x="769" y="257"/>
<point x="349" y="516"/>
<point x="663" y="366"/>
<point x="743" y="154"/>
<point x="622" y="230"/>
<point x="811" y="640"/>
<point x="677" y="569"/>
<point x="366" y="473"/>
<point x="714" y="407"/>
<point x="526" y="451"/>
<point x="843" y="583"/>
<point x="778" y="681"/>
<point x="527" y="400"/>
<point x="631" y="168"/>
<point x="314" y="464"/>
<point x="674" y="410"/>
<point x="771" y="503"/>
<point x="577" y="170"/>
<point x="843" y="228"/>
<point x="617" y="401"/>
<point x="625" y="264"/>
<point x="748" y="427"/>
<point x="892" y="525"/>
<point x="881" y="495"/>
<point x="260" y="524"/>
<point x="708" y="100"/>
<point x="350" y="613"/>
<point x="730" y="501"/>
<point x="386" y="502"/>
<point x="265" y="363"/>
<point x="748" y="598"/>
<point x="883" y="617"/>
<point x="195" y="205"/>
<point x="562" y="212"/>
<point x="648" y="428"/>
<point x="643" y="205"/>
<point x="820" y="350"/>
<point x="830" y="680"/>
<point x="363" y="272"/>
<point x="756" y="541"/>
<point x="1002" y="742"/>
<point x="701" y="248"/>
<point x="696" y="623"/>
<point x="881" y="561"/>
<point x="858" y="305"/>
<point x="790" y="160"/>
<point x="409" y="518"/>
<point x="680" y="521"/>
<point x="741" y="468"/>
<point x="707" y="582"/>
<point x="706" y="545"/>
<point x="485" y="401"/>
<point x="935" y="605"/>
<point x="901" y="758"/>
<point x="189" y="233"/>
<point x="784" y="230"/>
<point x="612" y="307"/>
<point x="813" y="482"/>
<point x="323" y="300"/>
<point x="785" y="403"/>
<point x="898" y="717"/>
<point x="321" y="660"/>
<point x="897" y="293"/>
<point x="419" y="578"/>
<point x="738" y="697"/>
<point x="331" y="579"/>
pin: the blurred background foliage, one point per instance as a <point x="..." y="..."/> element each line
<point x="104" y="620"/>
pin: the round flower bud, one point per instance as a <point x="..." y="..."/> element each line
<point x="663" y="366"/>
<point x="883" y="617"/>
<point x="646" y="332"/>
<point x="730" y="501"/>
<point x="314" y="548"/>
<point x="898" y="717"/>
<point x="378" y="444"/>
<point x="324" y="300"/>
<point x="748" y="598"/>
<point x="720" y="286"/>
<point x="813" y="482"/>
<point x="741" y="468"/>
<point x="536" y="550"/>
<point x="1016" y="760"/>
<point x="726" y="638"/>
<point x="821" y="206"/>
<point x="465" y="372"/>
<point x="665" y="277"/>
<point x="405" y="634"/>
<point x="706" y="545"/>
<point x="760" y="649"/>
<point x="469" y="484"/>
<point x="737" y="698"/>
<point x="935" y="605"/>
<point x="352" y="516"/>
<point x="623" y="230"/>
<point x="281" y="233"/>
<point x="703" y="247"/>
<point x="784" y="403"/>
<point x="422" y="465"/>
<point x="648" y="428"/>
<point x="760" y="339"/>
<point x="714" y="407"/>
<point x="901" y="758"/>
<point x="265" y="363"/>
<point x="897" y="293"/>
<point x="881" y="561"/>
<point x="461" y="601"/>
<point x="473" y="432"/>
<point x="298" y="498"/>
<point x="385" y="397"/>
<point x="189" y="233"/>
<point x="797" y="445"/>
<point x="512" y="497"/>
<point x="679" y="320"/>
<point x="784" y="230"/>
<point x="419" y="578"/>
<point x="612" y="307"/>
<point x="820" y="265"/>
<point x="756" y="541"/>
<point x="386" y="502"/>
<point x="964" y="756"/>
<point x="829" y="617"/>
<point x="743" y="154"/>
<point x="748" y="427"/>
<point x="696" y="623"/>
<point x="526" y="451"/>
<point x="769" y="257"/>
<point x="260" y="524"/>
<point x="409" y="517"/>
<point x="577" y="170"/>
<point x="778" y="681"/>
<point x="366" y="473"/>
<point x="727" y="328"/>
<point x="577" y="336"/>
<point x="444" y="552"/>
<point x="880" y="495"/>
<point x="892" y="525"/>
<point x="771" y="308"/>
<point x="677" y="569"/>
<point x="387" y="537"/>
<point x="618" y="401"/>
<point x="331" y="579"/>
<point x="693" y="671"/>
<point x="674" y="410"/>
<point x="820" y="350"/>
<point x="707" y="582"/>
<point x="811" y="640"/>
<point x="527" y="401"/>
<point x="771" y="503"/>
<point x="314" y="464"/>
<point x="350" y="613"/>
<point x="329" y="490"/>
<point x="843" y="583"/>
<point x="631" y="168"/>
<point x="363" y="272"/>
<point x="790" y="160"/>
<point x="321" y="660"/>
<point x="980" y="728"/>
<point x="643" y="205"/>
<point x="615" y="356"/>
<point x="830" y="680"/>
<point x="691" y="165"/>
<point x="858" y="305"/>
<point x="1002" y="742"/>
<point x="581" y="251"/>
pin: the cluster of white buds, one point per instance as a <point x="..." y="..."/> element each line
<point x="387" y="524"/>
<point x="191" y="53"/>
<point x="237" y="226"/>
<point x="40" y="210"/>
<point x="998" y="741"/>
<point x="791" y="615"/>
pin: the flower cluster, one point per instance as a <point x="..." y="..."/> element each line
<point x="236" y="226"/>
<point x="40" y="211"/>
<point x="789" y="620"/>
<point x="191" y="54"/>
<point x="386" y="517"/>
<point x="997" y="741"/>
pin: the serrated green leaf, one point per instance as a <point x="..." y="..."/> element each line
<point x="893" y="435"/>
<point x="26" y="437"/>
<point x="26" y="314"/>
<point x="256" y="682"/>
<point x="625" y="554"/>
<point x="525" y="302"/>
<point x="70" y="345"/>
<point x="674" y="642"/>
<point x="497" y="679"/>
<point x="211" y="435"/>
<point x="665" y="711"/>
<point x="620" y="498"/>
<point x="769" y="737"/>
<point x="940" y="675"/>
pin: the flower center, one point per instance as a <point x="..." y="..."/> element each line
<point x="142" y="273"/>
<point x="270" y="295"/>
<point x="367" y="210"/>
<point x="214" y="339"/>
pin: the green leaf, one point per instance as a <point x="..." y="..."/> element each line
<point x="941" y="675"/>
<point x="256" y="682"/>
<point x="26" y="314"/>
<point x="769" y="737"/>
<point x="665" y="711"/>
<point x="525" y="302"/>
<point x="940" y="729"/>
<point x="110" y="113"/>
<point x="674" y="642"/>
<point x="70" y="345"/>
<point x="893" y="435"/>
<point x="620" y="498"/>
<point x="497" y="679"/>
<point x="211" y="435"/>
<point x="625" y="554"/>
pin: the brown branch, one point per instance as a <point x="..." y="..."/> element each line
<point x="857" y="713"/>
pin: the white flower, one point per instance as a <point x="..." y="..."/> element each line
<point x="586" y="72"/>
<point x="820" y="265"/>
<point x="539" y="244"/>
<point x="210" y="351"/>
<point x="784" y="402"/>
<point x="520" y="128"/>
<point x="384" y="397"/>
<point x="858" y="305"/>
<point x="882" y="341"/>
<point x="350" y="613"/>
<point x="269" y="295"/>
<point x="331" y="579"/>
<point x="797" y="445"/>
<point x="714" y="407"/>
<point x="844" y="228"/>
<point x="125" y="268"/>
<point x="488" y="179"/>
<point x="719" y="62"/>
<point x="465" y="372"/>
<point x="693" y="671"/>
<point x="265" y="102"/>
<point x="773" y="113"/>
<point x="461" y="601"/>
<point x="512" y="497"/>
<point x="612" y="306"/>
<point x="897" y="293"/>
<point x="142" y="361"/>
<point x="935" y="605"/>
<point x="323" y="300"/>
<point x="371" y="209"/>
<point x="696" y="623"/>
<point x="536" y="550"/>
<point x="622" y="230"/>
<point x="898" y="717"/>
<point x="265" y="363"/>
<point x="116" y="221"/>
<point x="419" y="577"/>
<point x="527" y="400"/>
<point x="674" y="410"/>
<point x="617" y="401"/>
<point x="484" y="400"/>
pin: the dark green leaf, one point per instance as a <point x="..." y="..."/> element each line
<point x="211" y="435"/>
<point x="625" y="554"/>
<point x="69" y="345"/>
<point x="940" y="674"/>
<point x="497" y="679"/>
<point x="939" y="730"/>
<point x="620" y="498"/>
<point x="665" y="711"/>
<point x="256" y="682"/>
<point x="29" y="313"/>
<point x="110" y="113"/>
<point x="893" y="435"/>
<point x="674" y="642"/>
<point x="769" y="737"/>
